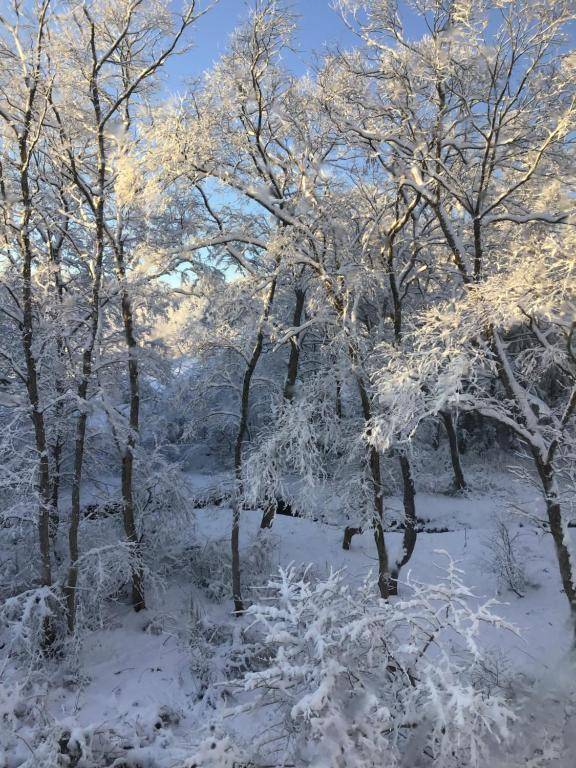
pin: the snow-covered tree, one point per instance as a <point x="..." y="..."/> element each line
<point x="503" y="349"/>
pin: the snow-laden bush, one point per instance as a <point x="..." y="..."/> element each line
<point x="218" y="649"/>
<point x="212" y="566"/>
<point x="217" y="750"/>
<point x="310" y="457"/>
<point x="28" y="623"/>
<point x="104" y="573"/>
<point x="29" y="736"/>
<point x="504" y="559"/>
<point x="33" y="735"/>
<point x="359" y="682"/>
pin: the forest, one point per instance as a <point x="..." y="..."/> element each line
<point x="288" y="386"/>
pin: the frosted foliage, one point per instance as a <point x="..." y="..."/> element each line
<point x="452" y="358"/>
<point x="505" y="559"/>
<point x="216" y="751"/>
<point x="303" y="436"/>
<point x="23" y="619"/>
<point x="357" y="681"/>
<point x="300" y="457"/>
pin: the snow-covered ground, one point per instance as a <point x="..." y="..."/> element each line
<point x="141" y="690"/>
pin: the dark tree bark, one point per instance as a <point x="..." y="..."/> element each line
<point x="459" y="480"/>
<point x="478" y="255"/>
<point x="240" y="437"/>
<point x="408" y="492"/>
<point x="25" y="148"/>
<point x="127" y="467"/>
<point x="377" y="499"/>
<point x="339" y="411"/>
<point x="558" y="531"/>
<point x="87" y="356"/>
<point x="32" y="387"/>
<point x="289" y="385"/>
<point x="55" y="487"/>
<point x="544" y="461"/>
<point x="55" y="248"/>
<point x="349" y="533"/>
<point x="104" y="108"/>
<point x="268" y="517"/>
<point x="373" y="458"/>
<point x="294" y="357"/>
<point x="410" y="533"/>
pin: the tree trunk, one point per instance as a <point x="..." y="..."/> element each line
<point x="128" y="515"/>
<point x="55" y="492"/>
<point x="384" y="580"/>
<point x="289" y="386"/>
<point x="477" y="227"/>
<point x="36" y="413"/>
<point x="27" y="325"/>
<point x="58" y="446"/>
<point x="410" y="534"/>
<point x="378" y="503"/>
<point x="338" y="398"/>
<point x="268" y="517"/>
<point x="130" y="530"/>
<point x="55" y="248"/>
<point x="559" y="531"/>
<point x="294" y="357"/>
<point x="459" y="481"/>
<point x="72" y="580"/>
<point x="242" y="428"/>
<point x="349" y="532"/>
<point x="545" y="468"/>
<point x="27" y="336"/>
<point x="236" y="568"/>
<point x="87" y="359"/>
<point x="409" y="495"/>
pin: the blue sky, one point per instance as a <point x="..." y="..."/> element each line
<point x="319" y="26"/>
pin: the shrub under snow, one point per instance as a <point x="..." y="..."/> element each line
<point x="356" y="681"/>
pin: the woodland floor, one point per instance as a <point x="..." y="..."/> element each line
<point x="144" y="689"/>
